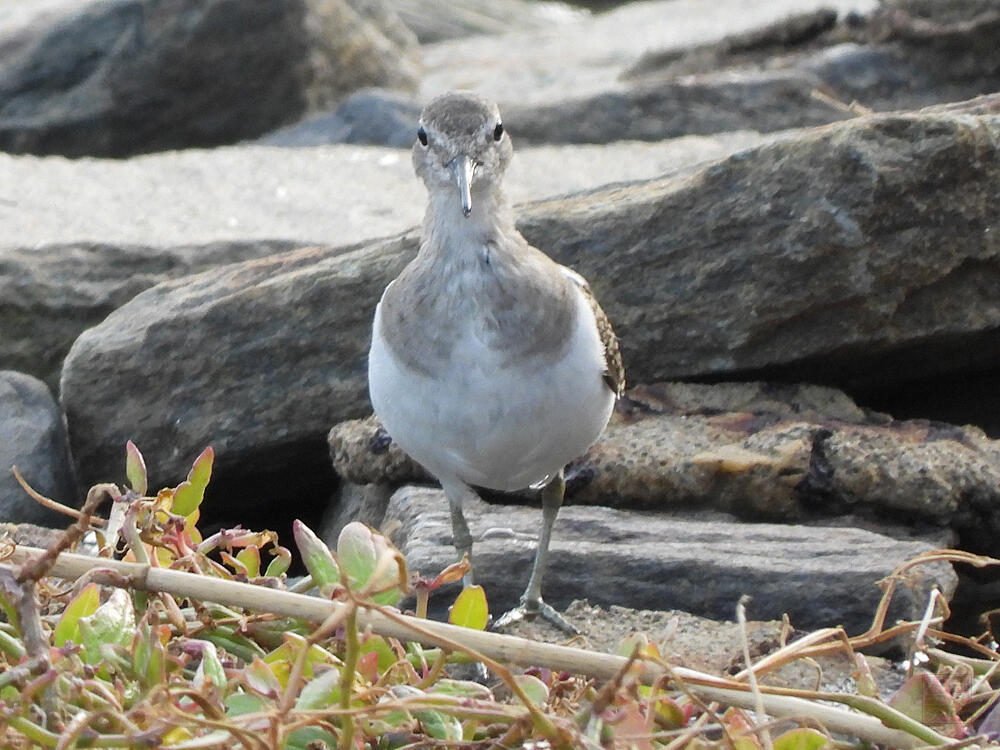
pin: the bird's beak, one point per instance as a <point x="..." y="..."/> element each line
<point x="462" y="167"/>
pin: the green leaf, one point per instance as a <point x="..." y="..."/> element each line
<point x="112" y="623"/>
<point x="801" y="739"/>
<point x="149" y="655"/>
<point x="135" y="469"/>
<point x="241" y="703"/>
<point x="210" y="667"/>
<point x="317" y="558"/>
<point x="189" y="494"/>
<point x="321" y="692"/>
<point x="280" y="564"/>
<point x="308" y="738"/>
<point x="11" y="647"/>
<point x="359" y="550"/>
<point x="68" y="628"/>
<point x="237" y="644"/>
<point x="439" y="725"/>
<point x="250" y="557"/>
<point x="461" y="689"/>
<point x="470" y="609"/>
<point x="535" y="689"/>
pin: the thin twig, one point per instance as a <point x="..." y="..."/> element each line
<point x="49" y="502"/>
<point x="741" y="619"/>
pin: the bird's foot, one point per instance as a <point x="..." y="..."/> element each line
<point x="529" y="610"/>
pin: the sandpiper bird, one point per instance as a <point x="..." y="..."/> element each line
<point x="491" y="364"/>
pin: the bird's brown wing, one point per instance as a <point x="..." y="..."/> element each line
<point x="614" y="368"/>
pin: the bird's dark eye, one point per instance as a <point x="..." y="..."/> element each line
<point x="422" y="136"/>
<point x="498" y="131"/>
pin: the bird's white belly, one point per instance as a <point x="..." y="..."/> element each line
<point x="485" y="423"/>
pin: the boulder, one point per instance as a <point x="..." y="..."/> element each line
<point x="127" y="225"/>
<point x="117" y="78"/>
<point x="819" y="575"/>
<point x="903" y="55"/>
<point x="32" y="438"/>
<point x="50" y="294"/>
<point x="587" y="55"/>
<point x="435" y="22"/>
<point x="846" y="255"/>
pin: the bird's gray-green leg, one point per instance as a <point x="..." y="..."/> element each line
<point x="461" y="537"/>
<point x="531" y="601"/>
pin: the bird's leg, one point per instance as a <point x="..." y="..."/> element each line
<point x="531" y="601"/>
<point x="461" y="537"/>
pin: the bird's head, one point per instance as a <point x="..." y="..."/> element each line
<point x="461" y="146"/>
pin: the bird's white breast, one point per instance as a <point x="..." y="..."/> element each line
<point x="487" y="420"/>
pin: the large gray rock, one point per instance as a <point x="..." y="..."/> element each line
<point x="436" y="21"/>
<point x="126" y="225"/>
<point x="850" y="246"/>
<point x="128" y="76"/>
<point x="587" y="56"/>
<point x="903" y="55"/>
<point x="51" y="294"/>
<point x="33" y="438"/>
<point x="819" y="575"/>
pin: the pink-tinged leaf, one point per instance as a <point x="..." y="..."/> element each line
<point x="630" y="726"/>
<point x="922" y="697"/>
<point x="189" y="494"/>
<point x="259" y="678"/>
<point x="385" y="657"/>
<point x="452" y="574"/>
<point x="84" y="604"/>
<point x="367" y="666"/>
<point x="135" y="469"/>
<point x="317" y="557"/>
<point x="470" y="609"/>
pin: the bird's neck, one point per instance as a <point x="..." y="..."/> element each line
<point x="447" y="230"/>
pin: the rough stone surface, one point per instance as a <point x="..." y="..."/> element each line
<point x="713" y="646"/>
<point x="130" y="76"/>
<point x="373" y="116"/>
<point x="900" y="56"/>
<point x="763" y="101"/>
<point x="335" y="195"/>
<point x="435" y="22"/>
<point x="587" y="56"/>
<point x="846" y="255"/>
<point x="50" y="294"/>
<point x="819" y="576"/>
<point x="126" y="225"/>
<point x="33" y="438"/>
<point x="761" y="451"/>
